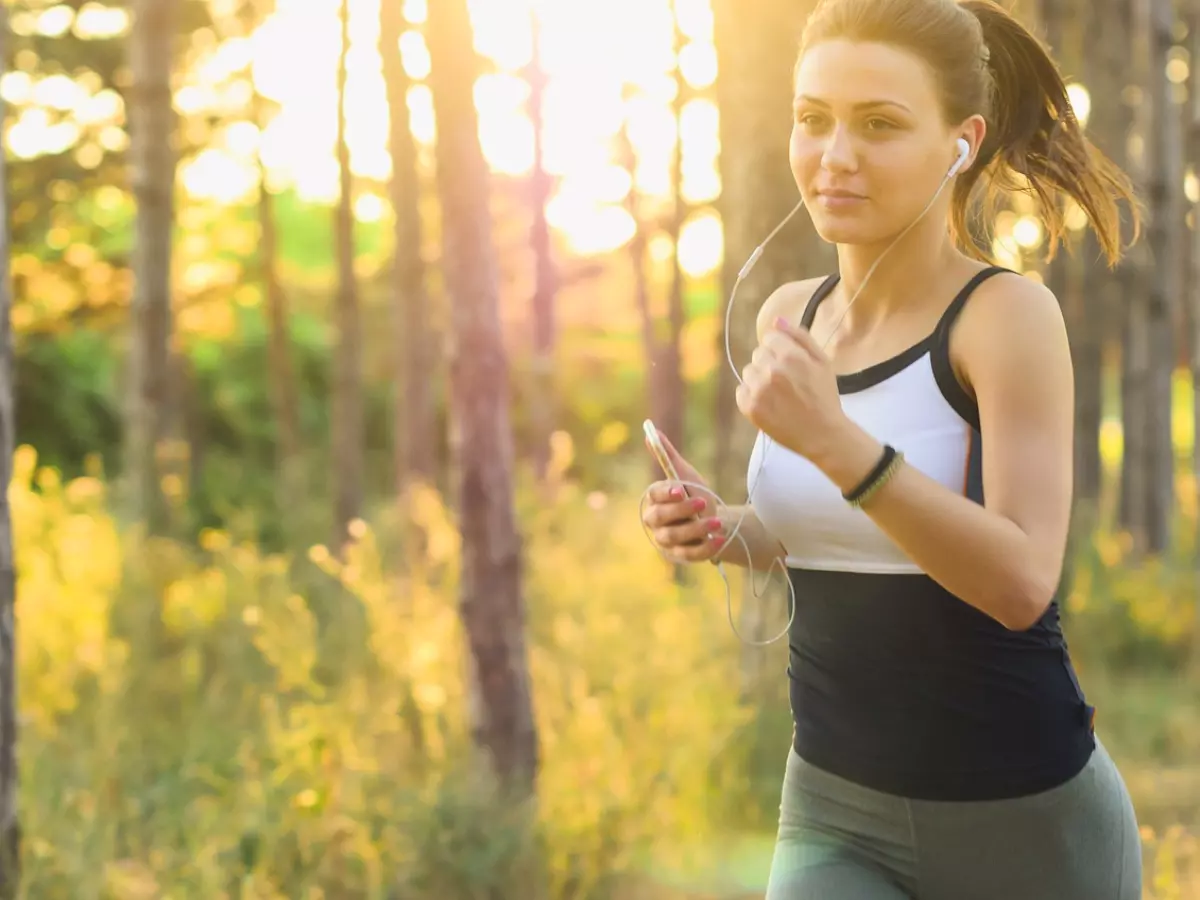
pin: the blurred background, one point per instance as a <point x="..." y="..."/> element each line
<point x="334" y="324"/>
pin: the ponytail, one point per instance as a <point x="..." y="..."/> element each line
<point x="1034" y="143"/>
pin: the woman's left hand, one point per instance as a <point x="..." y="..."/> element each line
<point x="789" y="392"/>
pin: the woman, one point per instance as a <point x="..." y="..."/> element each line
<point x="943" y="748"/>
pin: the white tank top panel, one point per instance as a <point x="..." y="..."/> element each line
<point x="913" y="402"/>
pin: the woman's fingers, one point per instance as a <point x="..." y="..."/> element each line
<point x="701" y="551"/>
<point x="660" y="514"/>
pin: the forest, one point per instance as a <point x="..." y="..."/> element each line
<point x="329" y="330"/>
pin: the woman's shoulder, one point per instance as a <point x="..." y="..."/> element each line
<point x="788" y="300"/>
<point x="1012" y="323"/>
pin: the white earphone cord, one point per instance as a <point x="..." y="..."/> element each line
<point x="780" y="561"/>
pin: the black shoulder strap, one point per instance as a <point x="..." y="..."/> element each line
<point x="824" y="289"/>
<point x="943" y="370"/>
<point x="960" y="300"/>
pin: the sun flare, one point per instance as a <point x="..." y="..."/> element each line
<point x="605" y="77"/>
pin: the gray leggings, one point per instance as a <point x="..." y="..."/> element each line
<point x="840" y="841"/>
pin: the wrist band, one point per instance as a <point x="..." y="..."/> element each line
<point x="880" y="475"/>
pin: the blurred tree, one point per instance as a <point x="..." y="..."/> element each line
<point x="543" y="403"/>
<point x="1105" y="31"/>
<point x="672" y="394"/>
<point x="347" y="408"/>
<point x="1192" y="303"/>
<point x="1149" y="460"/>
<point x="152" y="173"/>
<point x="10" y="829"/>
<point x="491" y="601"/>
<point x="416" y="411"/>
<point x="280" y="368"/>
<point x="638" y="261"/>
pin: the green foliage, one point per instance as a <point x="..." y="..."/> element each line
<point x="220" y="721"/>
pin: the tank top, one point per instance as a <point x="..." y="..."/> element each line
<point x="895" y="683"/>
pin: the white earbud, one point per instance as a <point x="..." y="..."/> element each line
<point x="964" y="150"/>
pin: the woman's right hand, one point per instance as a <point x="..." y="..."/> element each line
<point x="684" y="522"/>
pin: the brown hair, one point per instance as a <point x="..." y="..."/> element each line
<point x="987" y="62"/>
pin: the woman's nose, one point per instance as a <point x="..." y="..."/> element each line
<point x="839" y="155"/>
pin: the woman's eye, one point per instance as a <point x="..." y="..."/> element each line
<point x="878" y="124"/>
<point x="808" y="120"/>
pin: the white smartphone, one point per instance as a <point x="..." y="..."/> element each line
<point x="659" y="451"/>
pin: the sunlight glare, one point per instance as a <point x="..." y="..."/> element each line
<point x="55" y="21"/>
<point x="415" y="11"/>
<point x="1081" y="102"/>
<point x="369" y="208"/>
<point x="16" y="88"/>
<point x="242" y="139"/>
<point x="701" y="183"/>
<point x="581" y="118"/>
<point x="414" y="55"/>
<point x="106" y="106"/>
<point x="602" y="75"/>
<point x="58" y="92"/>
<point x="698" y="64"/>
<point x="701" y="245"/>
<point x="216" y="175"/>
<point x="695" y="19"/>
<point x="95" y="21"/>
<point x="601" y="229"/>
<point x="420" y="111"/>
<point x="1027" y="232"/>
<point x="502" y="32"/>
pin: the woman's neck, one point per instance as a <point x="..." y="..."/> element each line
<point x="921" y="257"/>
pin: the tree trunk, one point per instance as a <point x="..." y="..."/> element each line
<point x="543" y="405"/>
<point x="1193" y="304"/>
<point x="756" y="47"/>
<point x="1164" y="177"/>
<point x="347" y="412"/>
<point x="672" y="417"/>
<point x="491" y="602"/>
<point x="282" y="373"/>
<point x="416" y="412"/>
<point x="641" y="288"/>
<point x="152" y="173"/>
<point x="10" y="829"/>
<point x="1104" y="67"/>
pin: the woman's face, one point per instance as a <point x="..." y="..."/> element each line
<point x="869" y="142"/>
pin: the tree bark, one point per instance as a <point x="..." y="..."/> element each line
<point x="279" y="352"/>
<point x="416" y="410"/>
<point x="347" y="413"/>
<point x="672" y="417"/>
<point x="490" y="601"/>
<point x="1193" y="303"/>
<point x="543" y="401"/>
<point x="1104" y="66"/>
<point x="637" y="250"/>
<point x="10" y="829"/>
<point x="152" y="173"/>
<point x="1164" y="176"/>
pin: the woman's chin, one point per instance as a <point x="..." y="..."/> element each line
<point x="846" y="229"/>
<point x="842" y="232"/>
